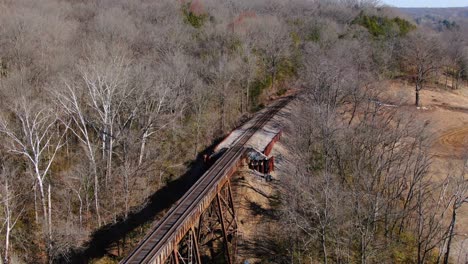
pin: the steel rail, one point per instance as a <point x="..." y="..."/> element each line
<point x="157" y="244"/>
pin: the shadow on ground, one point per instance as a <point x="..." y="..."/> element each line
<point x="105" y="238"/>
<point x="266" y="244"/>
<point x="267" y="248"/>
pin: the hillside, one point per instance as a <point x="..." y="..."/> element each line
<point x="438" y="18"/>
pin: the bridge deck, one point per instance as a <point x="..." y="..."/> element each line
<point x="160" y="242"/>
<point x="259" y="140"/>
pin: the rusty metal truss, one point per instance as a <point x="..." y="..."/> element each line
<point x="213" y="237"/>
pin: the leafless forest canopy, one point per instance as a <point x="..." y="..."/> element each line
<point x="102" y="103"/>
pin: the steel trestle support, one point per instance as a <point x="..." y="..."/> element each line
<point x="213" y="237"/>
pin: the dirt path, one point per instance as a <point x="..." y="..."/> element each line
<point x="452" y="143"/>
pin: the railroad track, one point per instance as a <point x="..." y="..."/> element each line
<point x="158" y="244"/>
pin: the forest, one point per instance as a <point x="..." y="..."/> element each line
<point x="102" y="103"/>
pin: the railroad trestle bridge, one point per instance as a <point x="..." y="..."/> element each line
<point x="202" y="227"/>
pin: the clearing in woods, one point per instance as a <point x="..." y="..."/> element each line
<point x="446" y="112"/>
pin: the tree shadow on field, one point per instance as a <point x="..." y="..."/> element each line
<point x="257" y="209"/>
<point x="267" y="249"/>
<point x="265" y="244"/>
<point x="102" y="240"/>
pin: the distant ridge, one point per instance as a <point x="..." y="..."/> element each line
<point x="458" y="7"/>
<point x="430" y="9"/>
<point x="438" y="17"/>
<point x="441" y="12"/>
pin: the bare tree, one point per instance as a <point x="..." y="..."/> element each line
<point x="13" y="208"/>
<point x="201" y="98"/>
<point x="38" y="140"/>
<point x="161" y="100"/>
<point x="72" y="105"/>
<point x="422" y="54"/>
<point x="431" y="207"/>
<point x="105" y="76"/>
<point x="458" y="198"/>
<point x="456" y="55"/>
<point x="248" y="74"/>
<point x="222" y="76"/>
<point x="274" y="44"/>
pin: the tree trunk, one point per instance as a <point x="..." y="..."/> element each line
<point x="7" y="242"/>
<point x="109" y="172"/>
<point x="96" y="197"/>
<point x="273" y="72"/>
<point x="324" y="248"/>
<point x="45" y="219"/>
<point x="446" y="79"/>
<point x="8" y="221"/>
<point x="353" y="113"/>
<point x="109" y="158"/>
<point x="80" y="211"/>
<point x="420" y="226"/>
<point x="44" y="205"/>
<point x="223" y="114"/>
<point x="453" y="80"/>
<point x="50" y="214"/>
<point x="451" y="230"/>
<point x="197" y="135"/>
<point x="36" y="214"/>
<point x="126" y="179"/>
<point x="143" y="146"/>
<point x="127" y="194"/>
<point x="242" y="104"/>
<point x="363" y="251"/>
<point x="96" y="187"/>
<point x="247" y="103"/>
<point x="417" y="102"/>
<point x="104" y="143"/>
<point x="459" y="73"/>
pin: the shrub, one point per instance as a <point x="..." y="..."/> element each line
<point x="191" y="18"/>
<point x="383" y="26"/>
